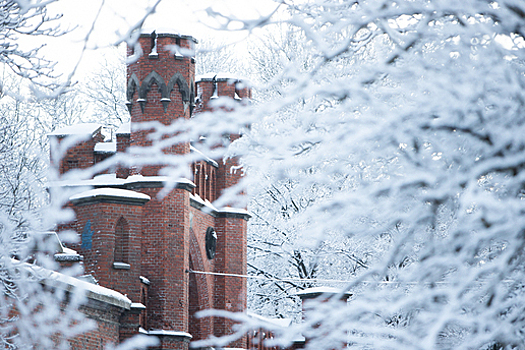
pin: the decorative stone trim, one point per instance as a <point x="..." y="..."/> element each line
<point x="121" y="266"/>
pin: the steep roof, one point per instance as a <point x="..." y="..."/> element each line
<point x="77" y="129"/>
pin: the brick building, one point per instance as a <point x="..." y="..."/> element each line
<point x="145" y="246"/>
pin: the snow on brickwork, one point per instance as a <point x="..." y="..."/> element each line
<point x="204" y="157"/>
<point x="319" y="290"/>
<point x="234" y="211"/>
<point x="221" y="76"/>
<point x="169" y="333"/>
<point x="112" y="180"/>
<point x="110" y="192"/>
<point x="106" y="147"/>
<point x="61" y="281"/>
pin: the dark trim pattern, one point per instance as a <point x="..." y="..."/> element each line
<point x="178" y="79"/>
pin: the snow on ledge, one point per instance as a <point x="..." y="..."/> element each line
<point x="316" y="291"/>
<point x="204" y="157"/>
<point x="112" y="180"/>
<point x="211" y="209"/>
<point x="72" y="284"/>
<point x="110" y="192"/>
<point x="121" y="266"/>
<point x="170" y="333"/>
<point x="124" y="129"/>
<point x="138" y="306"/>
<point x="231" y="210"/>
<point x="106" y="147"/>
<point x="205" y="203"/>
<point x="279" y="322"/>
<point x="220" y="76"/>
<point x="166" y="179"/>
<point x="94" y="291"/>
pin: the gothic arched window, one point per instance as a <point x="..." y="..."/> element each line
<point x="121" y="253"/>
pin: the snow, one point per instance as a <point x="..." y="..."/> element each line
<point x="169" y="333"/>
<point x="124" y="129"/>
<point x="68" y="251"/>
<point x="110" y="192"/>
<point x="144" y="280"/>
<point x="138" y="306"/>
<point x="67" y="257"/>
<point x="95" y="292"/>
<point x="205" y="157"/>
<point x="234" y="211"/>
<point x="319" y="290"/>
<point x="121" y="266"/>
<point x="112" y="180"/>
<point x="77" y="129"/>
<point x="225" y="210"/>
<point x="165" y="30"/>
<point x="279" y="322"/>
<point x="106" y="147"/>
<point x="221" y="76"/>
<point x="203" y="202"/>
<point x="166" y="179"/>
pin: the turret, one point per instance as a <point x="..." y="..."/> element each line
<point x="160" y="87"/>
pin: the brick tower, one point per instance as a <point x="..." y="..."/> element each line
<point x="162" y="251"/>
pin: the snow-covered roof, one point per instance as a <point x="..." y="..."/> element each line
<point x="316" y="291"/>
<point x="139" y="306"/>
<point x="110" y="192"/>
<point x="234" y="211"/>
<point x="165" y="31"/>
<point x="220" y="76"/>
<point x="169" y="333"/>
<point x="68" y="283"/>
<point x="124" y="129"/>
<point x="112" y="180"/>
<point x="77" y="129"/>
<point x="204" y="203"/>
<point x="279" y="322"/>
<point x="204" y="157"/>
<point x="94" y="291"/>
<point x="166" y="179"/>
<point x="106" y="147"/>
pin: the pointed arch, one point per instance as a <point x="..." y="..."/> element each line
<point x="192" y="97"/>
<point x="121" y="251"/>
<point x="153" y="77"/>
<point x="184" y="90"/>
<point x="133" y="85"/>
<point x="199" y="291"/>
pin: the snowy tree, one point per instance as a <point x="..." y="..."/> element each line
<point x="418" y="151"/>
<point x="106" y="90"/>
<point x="20" y="20"/>
<point x="217" y="57"/>
<point x="275" y="202"/>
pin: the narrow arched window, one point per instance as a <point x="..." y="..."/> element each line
<point x="121" y="252"/>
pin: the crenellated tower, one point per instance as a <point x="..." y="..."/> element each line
<point x="160" y="87"/>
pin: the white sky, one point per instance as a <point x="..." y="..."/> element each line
<point x="182" y="16"/>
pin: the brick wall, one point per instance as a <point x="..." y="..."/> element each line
<point x="96" y="225"/>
